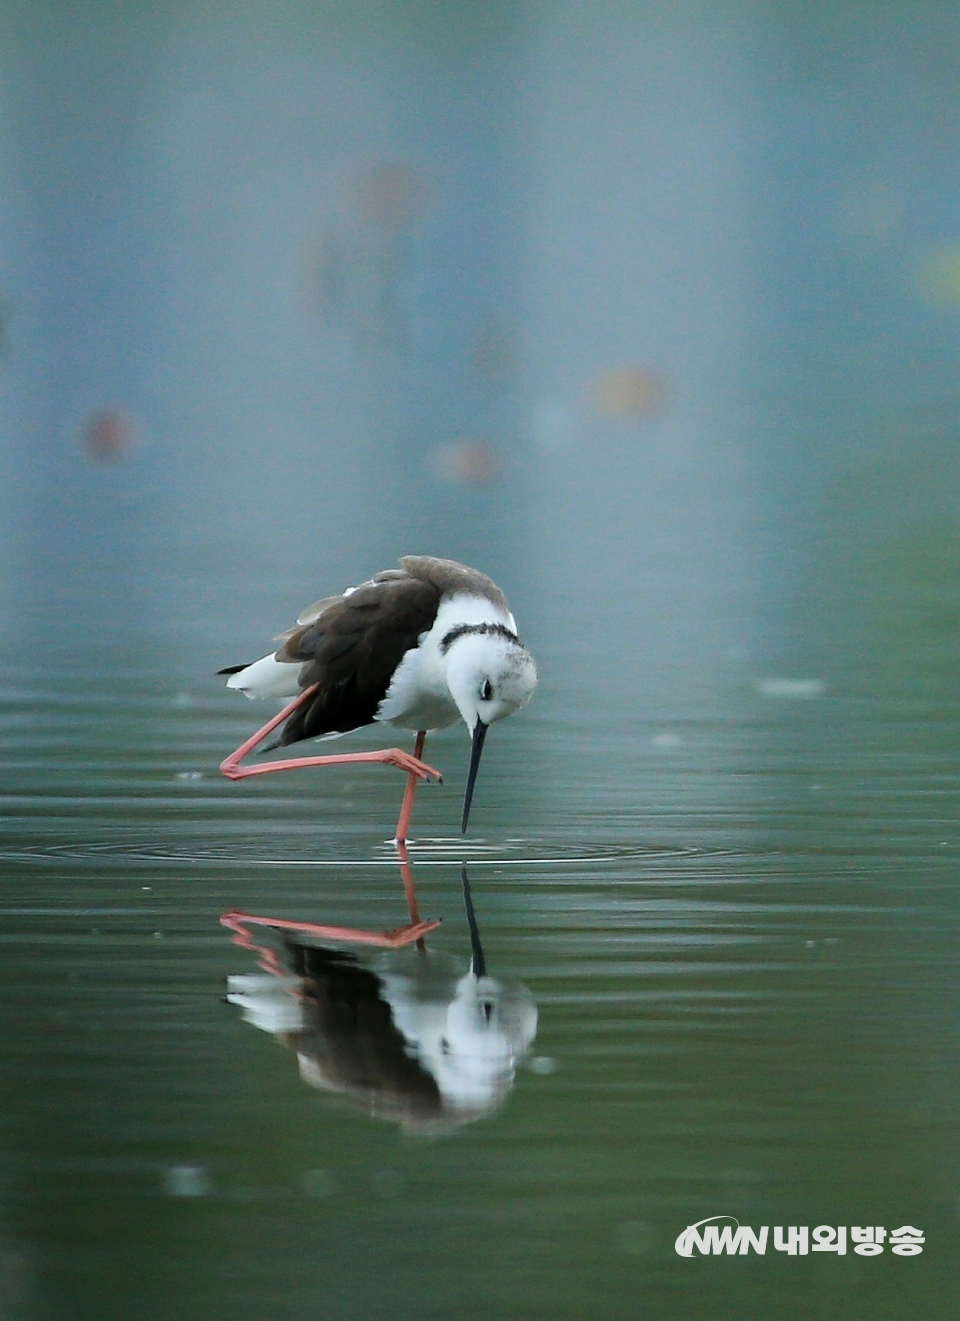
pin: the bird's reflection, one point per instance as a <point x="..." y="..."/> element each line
<point x="407" y="1033"/>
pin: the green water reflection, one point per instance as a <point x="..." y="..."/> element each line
<point x="738" y="923"/>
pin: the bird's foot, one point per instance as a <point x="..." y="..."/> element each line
<point x="404" y="761"/>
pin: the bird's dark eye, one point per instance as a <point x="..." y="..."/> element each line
<point x="486" y="692"/>
<point x="445" y="1045"/>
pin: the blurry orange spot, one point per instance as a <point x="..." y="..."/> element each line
<point x="466" y="463"/>
<point x="390" y="194"/>
<point x="109" y="434"/>
<point x="938" y="275"/>
<point x="630" y="392"/>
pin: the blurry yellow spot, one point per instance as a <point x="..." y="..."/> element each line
<point x="938" y="275"/>
<point x="630" y="392"/>
<point x="466" y="463"/>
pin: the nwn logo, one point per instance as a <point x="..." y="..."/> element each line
<point x="717" y="1239"/>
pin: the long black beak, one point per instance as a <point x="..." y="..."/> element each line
<point x="479" y="734"/>
<point x="478" y="962"/>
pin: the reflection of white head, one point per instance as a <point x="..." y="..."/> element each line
<point x="472" y="1041"/>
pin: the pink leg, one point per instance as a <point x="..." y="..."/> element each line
<point x="231" y="768"/>
<point x="406" y="807"/>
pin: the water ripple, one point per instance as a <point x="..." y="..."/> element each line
<point x="340" y="853"/>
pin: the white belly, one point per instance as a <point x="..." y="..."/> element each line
<point x="418" y="696"/>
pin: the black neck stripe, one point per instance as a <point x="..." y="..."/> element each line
<point x="482" y="630"/>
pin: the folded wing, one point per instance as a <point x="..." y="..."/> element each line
<point x="350" y="646"/>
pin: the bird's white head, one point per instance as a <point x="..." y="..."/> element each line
<point x="490" y="674"/>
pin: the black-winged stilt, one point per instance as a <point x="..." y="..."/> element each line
<point x="419" y="646"/>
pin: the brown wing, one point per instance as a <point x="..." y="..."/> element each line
<point x="351" y="649"/>
<point x="450" y="577"/>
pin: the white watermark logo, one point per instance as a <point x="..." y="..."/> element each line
<point x="708" y="1237"/>
<point x="721" y="1238"/>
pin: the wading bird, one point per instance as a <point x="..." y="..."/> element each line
<point x="420" y="646"/>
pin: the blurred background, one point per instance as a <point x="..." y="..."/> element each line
<point x="652" y="312"/>
<point x="638" y="294"/>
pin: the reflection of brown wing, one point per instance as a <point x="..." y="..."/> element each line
<point x="351" y="649"/>
<point x="351" y="1035"/>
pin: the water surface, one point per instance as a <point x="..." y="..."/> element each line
<point x="736" y="914"/>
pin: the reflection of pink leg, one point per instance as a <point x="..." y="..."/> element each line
<point x="238" y="923"/>
<point x="406" y="808"/>
<point x="231" y="768"/>
<point x="406" y="875"/>
<point x="406" y="870"/>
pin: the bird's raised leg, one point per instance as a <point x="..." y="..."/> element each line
<point x="233" y="770"/>
<point x="406" y="807"/>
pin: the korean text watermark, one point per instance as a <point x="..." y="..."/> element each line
<point x="719" y="1235"/>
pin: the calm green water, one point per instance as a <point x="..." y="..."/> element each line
<point x="735" y="909"/>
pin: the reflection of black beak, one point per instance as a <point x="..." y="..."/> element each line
<point x="479" y="734"/>
<point x="477" y="962"/>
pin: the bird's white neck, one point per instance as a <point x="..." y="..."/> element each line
<point x="462" y="609"/>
